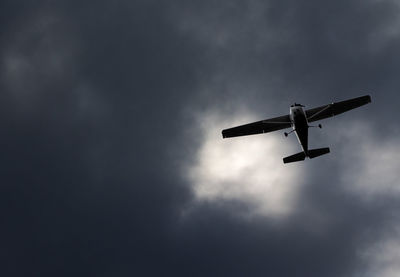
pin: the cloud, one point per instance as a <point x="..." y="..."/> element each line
<point x="370" y="165"/>
<point x="387" y="31"/>
<point x="382" y="257"/>
<point x="235" y="25"/>
<point x="96" y="171"/>
<point x="37" y="57"/>
<point x="248" y="170"/>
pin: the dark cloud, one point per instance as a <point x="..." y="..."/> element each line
<point x="102" y="107"/>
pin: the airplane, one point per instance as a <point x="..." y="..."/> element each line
<point x="298" y="119"/>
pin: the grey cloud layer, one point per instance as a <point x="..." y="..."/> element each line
<point x="101" y="104"/>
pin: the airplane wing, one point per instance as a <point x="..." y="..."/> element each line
<point x="336" y="108"/>
<point x="259" y="127"/>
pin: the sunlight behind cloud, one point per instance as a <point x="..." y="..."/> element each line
<point x="246" y="169"/>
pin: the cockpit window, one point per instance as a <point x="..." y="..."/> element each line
<point x="296" y="105"/>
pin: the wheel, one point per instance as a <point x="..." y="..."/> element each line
<point x="320" y="126"/>
<point x="286" y="134"/>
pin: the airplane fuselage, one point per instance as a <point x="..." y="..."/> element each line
<point x="300" y="126"/>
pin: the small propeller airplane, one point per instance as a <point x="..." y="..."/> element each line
<point x="298" y="119"/>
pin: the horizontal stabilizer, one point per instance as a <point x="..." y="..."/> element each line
<point x="318" y="152"/>
<point x="294" y="158"/>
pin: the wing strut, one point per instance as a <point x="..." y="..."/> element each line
<point x="324" y="109"/>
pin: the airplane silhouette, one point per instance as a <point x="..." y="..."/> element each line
<point x="298" y="119"/>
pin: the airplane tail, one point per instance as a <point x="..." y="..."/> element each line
<point x="294" y="158"/>
<point x="301" y="156"/>
<point x="318" y="152"/>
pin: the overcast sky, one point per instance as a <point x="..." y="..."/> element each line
<point x="112" y="161"/>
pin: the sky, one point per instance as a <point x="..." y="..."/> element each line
<point x="112" y="159"/>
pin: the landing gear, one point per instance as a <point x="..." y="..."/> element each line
<point x="286" y="134"/>
<point x="320" y="126"/>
